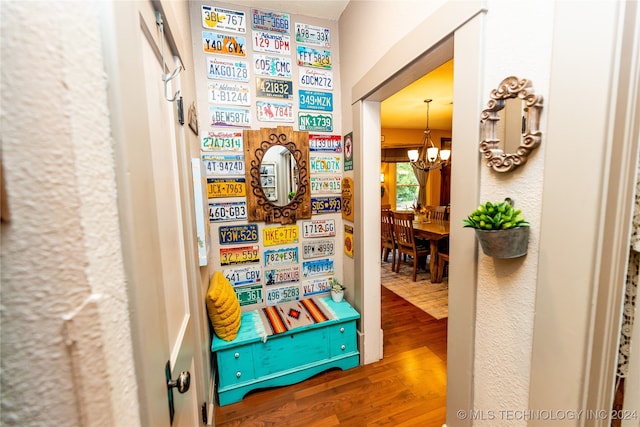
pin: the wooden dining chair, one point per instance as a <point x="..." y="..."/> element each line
<point x="388" y="241"/>
<point x="440" y="213"/>
<point x="406" y="241"/>
<point x="443" y="254"/>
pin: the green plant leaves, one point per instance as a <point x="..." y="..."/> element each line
<point x="495" y="216"/>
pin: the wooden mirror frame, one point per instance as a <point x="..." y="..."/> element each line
<point x="511" y="87"/>
<point x="256" y="144"/>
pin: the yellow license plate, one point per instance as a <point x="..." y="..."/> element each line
<point x="225" y="187"/>
<point x="239" y="255"/>
<point x="280" y="235"/>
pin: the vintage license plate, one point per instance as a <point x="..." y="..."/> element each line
<point x="326" y="185"/>
<point x="230" y="234"/>
<point x="270" y="21"/>
<point x="272" y="66"/>
<point x="224" y="69"/>
<point x="315" y="122"/>
<point x="227" y="164"/>
<point x="280" y="257"/>
<point x="312" y="57"/>
<point x="271" y="43"/>
<point x="284" y="294"/>
<point x="318" y="249"/>
<point x="230" y="116"/>
<point x="282" y="275"/>
<point x="241" y="276"/>
<point x="226" y="187"/>
<point x="322" y="205"/>
<point x="225" y="44"/>
<point x="328" y="143"/>
<point x="222" y="141"/>
<point x="314" y="100"/>
<point x="274" y="88"/>
<point x="316" y="286"/>
<point x="315" y="79"/>
<point x="280" y="235"/>
<point x="240" y="255"/>
<point x="217" y="18"/>
<point x="269" y="111"/>
<point x="327" y="163"/>
<point x="228" y="93"/>
<point x="311" y="34"/>
<point x="249" y="295"/>
<point x="319" y="228"/>
<point x="317" y="267"/>
<point x="228" y="211"/>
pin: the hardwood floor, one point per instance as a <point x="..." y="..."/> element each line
<point x="406" y="388"/>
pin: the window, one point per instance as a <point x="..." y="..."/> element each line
<point x="407" y="186"/>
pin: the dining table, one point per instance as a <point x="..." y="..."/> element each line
<point x="434" y="231"/>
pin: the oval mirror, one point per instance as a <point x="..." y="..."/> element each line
<point x="510" y="124"/>
<point x="279" y="175"/>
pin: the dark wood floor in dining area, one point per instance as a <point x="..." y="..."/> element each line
<point x="406" y="388"/>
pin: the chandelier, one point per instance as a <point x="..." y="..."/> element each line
<point x="428" y="157"/>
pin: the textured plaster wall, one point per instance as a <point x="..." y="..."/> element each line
<point x="65" y="344"/>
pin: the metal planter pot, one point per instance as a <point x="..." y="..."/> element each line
<point x="511" y="243"/>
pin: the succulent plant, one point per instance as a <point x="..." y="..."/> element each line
<point x="495" y="216"/>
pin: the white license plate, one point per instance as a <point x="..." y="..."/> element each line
<point x="225" y="44"/>
<point x="312" y="57"/>
<point x="271" y="43"/>
<point x="273" y="66"/>
<point x="311" y="34"/>
<point x="222" y="141"/>
<point x="223" y="164"/>
<point x="243" y="275"/>
<point x="316" y="286"/>
<point x="229" y="211"/>
<point x="217" y="18"/>
<point x="230" y="116"/>
<point x="275" y="111"/>
<point x="282" y="275"/>
<point x="326" y="185"/>
<point x="328" y="143"/>
<point x="227" y="69"/>
<point x="319" y="228"/>
<point x="279" y="257"/>
<point x="270" y="21"/>
<point x="315" y="79"/>
<point x="325" y="163"/>
<point x="318" y="249"/>
<point x="317" y="267"/>
<point x="249" y="295"/>
<point x="284" y="294"/>
<point x="228" y="93"/>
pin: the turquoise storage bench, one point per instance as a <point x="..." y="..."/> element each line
<point x="249" y="363"/>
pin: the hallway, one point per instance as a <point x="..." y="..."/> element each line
<point x="406" y="388"/>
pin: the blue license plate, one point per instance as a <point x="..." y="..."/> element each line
<point x="314" y="100"/>
<point x="322" y="205"/>
<point x="317" y="267"/>
<point x="231" y="234"/>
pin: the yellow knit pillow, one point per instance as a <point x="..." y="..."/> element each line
<point x="223" y="307"/>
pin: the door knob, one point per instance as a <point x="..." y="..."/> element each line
<point x="182" y="383"/>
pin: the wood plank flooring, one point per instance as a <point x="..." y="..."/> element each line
<point x="406" y="388"/>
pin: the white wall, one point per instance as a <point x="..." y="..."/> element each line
<point x="66" y="341"/>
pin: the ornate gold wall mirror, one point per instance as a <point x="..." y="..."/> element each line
<point x="277" y="162"/>
<point x="510" y="124"/>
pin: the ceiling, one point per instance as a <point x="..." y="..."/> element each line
<point x="405" y="109"/>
